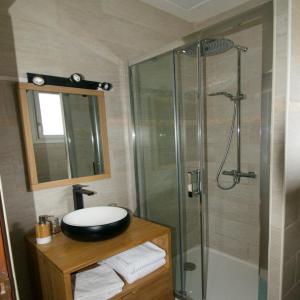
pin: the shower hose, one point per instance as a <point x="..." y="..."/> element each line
<point x="227" y="148"/>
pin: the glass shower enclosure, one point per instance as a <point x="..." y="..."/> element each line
<point x="183" y="104"/>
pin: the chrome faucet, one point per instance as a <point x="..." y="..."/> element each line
<point x="78" y="192"/>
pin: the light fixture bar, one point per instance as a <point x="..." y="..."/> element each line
<point x="76" y="80"/>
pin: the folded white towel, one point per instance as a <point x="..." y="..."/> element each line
<point x="100" y="282"/>
<point x="130" y="278"/>
<point x="135" y="259"/>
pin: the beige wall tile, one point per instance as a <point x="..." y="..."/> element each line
<point x="291" y="240"/>
<point x="293" y="294"/>
<point x="297" y="278"/>
<point x="289" y="275"/>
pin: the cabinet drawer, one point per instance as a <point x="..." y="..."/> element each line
<point x="159" y="289"/>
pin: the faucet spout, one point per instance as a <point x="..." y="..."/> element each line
<point x="78" y="192"/>
<point x="85" y="192"/>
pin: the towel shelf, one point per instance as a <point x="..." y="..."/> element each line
<point x="54" y="264"/>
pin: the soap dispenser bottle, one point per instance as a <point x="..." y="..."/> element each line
<point x="43" y="231"/>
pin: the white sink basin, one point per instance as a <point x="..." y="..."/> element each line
<point x="95" y="223"/>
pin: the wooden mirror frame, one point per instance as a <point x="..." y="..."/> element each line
<point x="27" y="135"/>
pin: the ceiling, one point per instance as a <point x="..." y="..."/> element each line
<point x="195" y="11"/>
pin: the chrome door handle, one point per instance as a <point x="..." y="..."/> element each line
<point x="194" y="183"/>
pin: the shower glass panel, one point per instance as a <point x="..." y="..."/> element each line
<point x="153" y="103"/>
<point x="167" y="109"/>
<point x="188" y="87"/>
<point x="233" y="215"/>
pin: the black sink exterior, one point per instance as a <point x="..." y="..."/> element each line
<point x="96" y="233"/>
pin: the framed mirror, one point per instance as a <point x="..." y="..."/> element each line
<point x="65" y="135"/>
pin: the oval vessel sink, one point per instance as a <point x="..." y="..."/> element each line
<point x="95" y="223"/>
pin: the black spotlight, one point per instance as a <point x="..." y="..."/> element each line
<point x="105" y="86"/>
<point x="76" y="77"/>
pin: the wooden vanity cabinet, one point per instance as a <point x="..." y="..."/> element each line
<point x="53" y="266"/>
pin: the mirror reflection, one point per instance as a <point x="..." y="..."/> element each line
<point x="66" y="135"/>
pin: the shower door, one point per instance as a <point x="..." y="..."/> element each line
<point x="191" y="172"/>
<point x="166" y="101"/>
<point x="152" y="87"/>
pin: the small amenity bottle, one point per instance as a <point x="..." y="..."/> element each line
<point x="43" y="231"/>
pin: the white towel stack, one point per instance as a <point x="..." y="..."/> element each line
<point x="137" y="262"/>
<point x="97" y="283"/>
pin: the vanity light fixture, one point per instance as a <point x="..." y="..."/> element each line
<point x="76" y="80"/>
<point x="38" y="80"/>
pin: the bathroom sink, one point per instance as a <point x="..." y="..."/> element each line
<point x="95" y="223"/>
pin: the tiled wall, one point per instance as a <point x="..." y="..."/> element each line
<point x="19" y="203"/>
<point x="59" y="38"/>
<point x="291" y="259"/>
<point x="234" y="214"/>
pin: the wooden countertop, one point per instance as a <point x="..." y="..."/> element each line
<point x="70" y="256"/>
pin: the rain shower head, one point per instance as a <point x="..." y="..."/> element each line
<point x="210" y="47"/>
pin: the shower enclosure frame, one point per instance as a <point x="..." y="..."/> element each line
<point x="199" y="170"/>
<point x="261" y="15"/>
